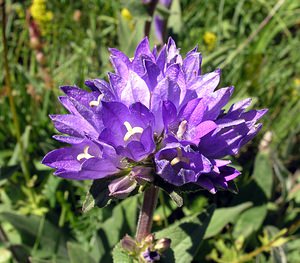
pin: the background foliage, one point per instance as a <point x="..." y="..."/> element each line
<point x="255" y="42"/>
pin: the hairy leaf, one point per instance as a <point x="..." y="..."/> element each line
<point x="186" y="236"/>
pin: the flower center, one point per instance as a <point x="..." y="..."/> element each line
<point x="179" y="158"/>
<point x="131" y="131"/>
<point x="181" y="129"/>
<point x="85" y="154"/>
<point x="95" y="103"/>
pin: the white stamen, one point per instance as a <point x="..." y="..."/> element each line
<point x="95" y="103"/>
<point x="131" y="131"/>
<point x="181" y="129"/>
<point x="179" y="158"/>
<point x="85" y="154"/>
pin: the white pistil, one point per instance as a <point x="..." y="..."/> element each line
<point x="181" y="129"/>
<point x="95" y="103"/>
<point x="131" y="131"/>
<point x="85" y="154"/>
<point x="179" y="158"/>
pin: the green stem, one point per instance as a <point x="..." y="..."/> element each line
<point x="146" y="213"/>
<point x="10" y="95"/>
<point x="163" y="204"/>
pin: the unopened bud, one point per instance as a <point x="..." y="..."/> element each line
<point x="142" y="174"/>
<point x="264" y="145"/>
<point x="40" y="58"/>
<point x="149" y="239"/>
<point x="128" y="244"/>
<point x="121" y="187"/>
<point x="77" y="15"/>
<point x="162" y="244"/>
<point x="35" y="42"/>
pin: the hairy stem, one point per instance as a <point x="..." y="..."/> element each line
<point x="146" y="213"/>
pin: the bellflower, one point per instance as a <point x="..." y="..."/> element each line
<point x="157" y="119"/>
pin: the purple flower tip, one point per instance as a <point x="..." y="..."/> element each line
<point x="151" y="256"/>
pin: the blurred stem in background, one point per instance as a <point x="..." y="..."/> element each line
<point x="241" y="47"/>
<point x="3" y="237"/>
<point x="150" y="9"/>
<point x="12" y="104"/>
<point x="36" y="42"/>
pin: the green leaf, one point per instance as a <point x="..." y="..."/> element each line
<point x="25" y="140"/>
<point x="175" y="21"/>
<point x="97" y="248"/>
<point x="263" y="173"/>
<point x="78" y="255"/>
<point x="130" y="208"/>
<point x="250" y="221"/>
<point x="98" y="195"/>
<point x="186" y="236"/>
<point x="8" y="171"/>
<point x="123" y="219"/>
<point x="292" y="250"/>
<point x="120" y="256"/>
<point x="176" y="198"/>
<point x="278" y="253"/>
<point x="170" y="190"/>
<point x="50" y="189"/>
<point x="232" y="187"/>
<point x="35" y="231"/>
<point x="130" y="33"/>
<point x="5" y="255"/>
<point x="224" y="216"/>
<point x="162" y="11"/>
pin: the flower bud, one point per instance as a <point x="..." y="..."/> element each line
<point x="35" y="42"/>
<point x="142" y="174"/>
<point x="77" y="15"/>
<point x="162" y="244"/>
<point x="149" y="239"/>
<point x="40" y="58"/>
<point x="122" y="187"/>
<point x="128" y="244"/>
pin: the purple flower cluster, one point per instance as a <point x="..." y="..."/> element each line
<point x="157" y="116"/>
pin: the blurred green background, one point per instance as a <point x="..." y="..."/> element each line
<point x="257" y="45"/>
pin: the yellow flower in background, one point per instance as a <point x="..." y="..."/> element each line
<point x="297" y="82"/>
<point x="125" y="13"/>
<point x="127" y="16"/>
<point x="296" y="89"/>
<point x="210" y="40"/>
<point x="41" y="15"/>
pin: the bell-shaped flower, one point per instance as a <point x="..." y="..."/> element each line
<point x="157" y="111"/>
